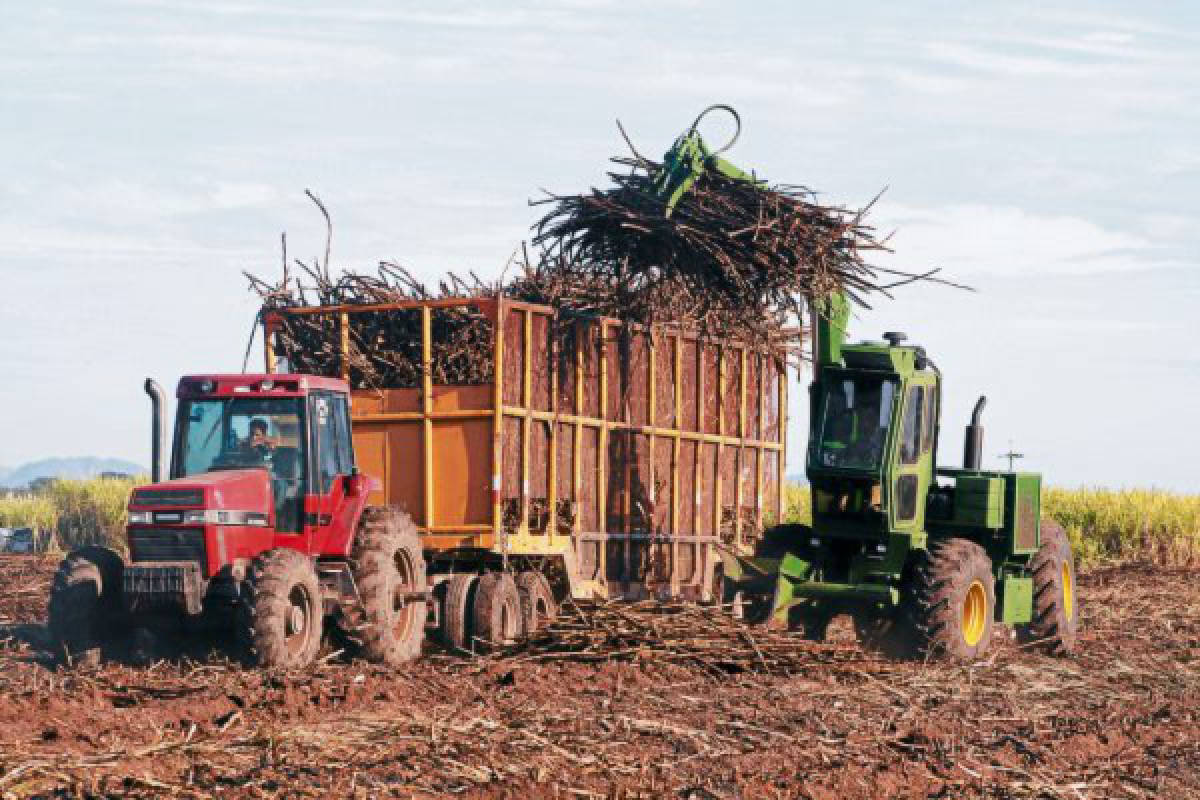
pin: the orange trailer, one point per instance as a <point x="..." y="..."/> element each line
<point x="623" y="455"/>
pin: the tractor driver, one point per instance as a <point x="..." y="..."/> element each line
<point x="867" y="445"/>
<point x="258" y="443"/>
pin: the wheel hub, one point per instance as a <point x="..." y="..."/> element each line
<point x="1068" y="590"/>
<point x="974" y="614"/>
<point x="296" y="621"/>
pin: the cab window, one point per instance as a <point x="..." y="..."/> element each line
<point x="910" y="426"/>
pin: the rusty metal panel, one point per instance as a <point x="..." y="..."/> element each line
<point x="619" y="459"/>
<point x="589" y="343"/>
<point x="662" y="499"/>
<point x="710" y="378"/>
<point x="753" y="396"/>
<point x="641" y="485"/>
<point x="685" y="504"/>
<point x="636" y="379"/>
<point x="731" y="401"/>
<point x="664" y="381"/>
<point x="538" y="490"/>
<point x="541" y="364"/>
<point x="566" y="505"/>
<point x="771" y="378"/>
<point x="589" y="508"/>
<point x="770" y="489"/>
<point x="514" y="357"/>
<point x="616" y="349"/>
<point x="706" y="490"/>
<point x="688" y="372"/>
<point x="563" y="363"/>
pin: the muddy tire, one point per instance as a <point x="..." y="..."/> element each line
<point x="538" y="608"/>
<point x="85" y="603"/>
<point x="497" y="614"/>
<point x="280" y="618"/>
<point x="387" y="565"/>
<point x="1055" y="621"/>
<point x="457" y="611"/>
<point x="953" y="601"/>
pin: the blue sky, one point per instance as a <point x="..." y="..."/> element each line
<point x="1045" y="153"/>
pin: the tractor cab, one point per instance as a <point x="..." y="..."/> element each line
<point x="873" y="438"/>
<point x="259" y="461"/>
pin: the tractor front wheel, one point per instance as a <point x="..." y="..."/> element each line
<point x="389" y="570"/>
<point x="953" y="601"/>
<point x="85" y="602"/>
<point x="282" y="612"/>
<point x="1055" y="621"/>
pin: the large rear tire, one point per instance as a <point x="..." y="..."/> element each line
<point x="1055" y="621"/>
<point x="538" y="608"/>
<point x="281" y="616"/>
<point x="497" y="611"/>
<point x="388" y="565"/>
<point x="953" y="601"/>
<point x="85" y="603"/>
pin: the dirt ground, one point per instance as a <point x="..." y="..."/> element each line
<point x="1122" y="719"/>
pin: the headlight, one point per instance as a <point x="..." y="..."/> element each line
<point x="140" y="517"/>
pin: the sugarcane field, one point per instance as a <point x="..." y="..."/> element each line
<point x="600" y="401"/>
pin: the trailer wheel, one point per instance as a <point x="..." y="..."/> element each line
<point x="497" y="614"/>
<point x="388" y="568"/>
<point x="457" y="610"/>
<point x="281" y="613"/>
<point x="953" y="602"/>
<point x="85" y="602"/>
<point x="538" y="608"/>
<point x="1055" y="609"/>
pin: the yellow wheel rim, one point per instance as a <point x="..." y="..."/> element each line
<point x="974" y="613"/>
<point x="1068" y="589"/>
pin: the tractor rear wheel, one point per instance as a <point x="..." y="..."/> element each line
<point x="280" y="617"/>
<point x="389" y="571"/>
<point x="497" y="611"/>
<point x="457" y="610"/>
<point x="85" y="602"/>
<point x="538" y="608"/>
<point x="953" y="601"/>
<point x="1055" y="609"/>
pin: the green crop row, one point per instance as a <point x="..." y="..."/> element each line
<point x="1105" y="525"/>
<point x="76" y="512"/>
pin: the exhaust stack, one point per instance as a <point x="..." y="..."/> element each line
<point x="157" y="401"/>
<point x="973" y="446"/>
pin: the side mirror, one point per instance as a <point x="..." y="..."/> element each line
<point x="357" y="484"/>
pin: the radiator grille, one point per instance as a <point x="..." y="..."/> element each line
<point x="168" y="497"/>
<point x="166" y="544"/>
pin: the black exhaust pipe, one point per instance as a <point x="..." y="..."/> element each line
<point x="157" y="401"/>
<point x="973" y="447"/>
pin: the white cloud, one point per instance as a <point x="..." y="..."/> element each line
<point x="967" y="239"/>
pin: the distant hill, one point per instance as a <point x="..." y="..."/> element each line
<point x="82" y="467"/>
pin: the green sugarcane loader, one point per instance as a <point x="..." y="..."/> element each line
<point x="925" y="559"/>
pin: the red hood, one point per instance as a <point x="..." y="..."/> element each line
<point x="231" y="489"/>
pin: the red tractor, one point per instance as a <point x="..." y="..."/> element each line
<point x="262" y="524"/>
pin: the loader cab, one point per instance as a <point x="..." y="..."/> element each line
<point x="872" y="439"/>
<point x="295" y="429"/>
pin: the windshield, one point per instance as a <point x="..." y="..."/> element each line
<point x="248" y="432"/>
<point x="239" y="432"/>
<point x="854" y="422"/>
